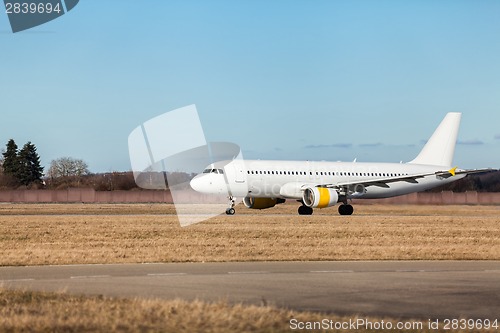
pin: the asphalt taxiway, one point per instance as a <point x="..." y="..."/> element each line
<point x="397" y="289"/>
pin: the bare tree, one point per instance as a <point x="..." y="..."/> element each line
<point x="67" y="167"/>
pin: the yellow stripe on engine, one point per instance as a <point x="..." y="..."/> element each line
<point x="324" y="197"/>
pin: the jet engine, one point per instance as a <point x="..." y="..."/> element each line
<point x="260" y="203"/>
<point x="359" y="190"/>
<point x="320" y="197"/>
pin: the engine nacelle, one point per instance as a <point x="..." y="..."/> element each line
<point x="320" y="197"/>
<point x="260" y="203"/>
<point x="359" y="190"/>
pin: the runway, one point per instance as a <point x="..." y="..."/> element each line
<point x="396" y="289"/>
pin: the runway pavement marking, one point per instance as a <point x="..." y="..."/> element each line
<point x="412" y="271"/>
<point x="17" y="280"/>
<point x="90" y="276"/>
<point x="336" y="271"/>
<point x="166" y="274"/>
<point x="249" y="272"/>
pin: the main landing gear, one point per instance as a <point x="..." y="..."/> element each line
<point x="346" y="209"/>
<point x="304" y="210"/>
<point x="230" y="210"/>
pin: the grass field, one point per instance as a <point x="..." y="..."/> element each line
<point x="26" y="311"/>
<point x="79" y="234"/>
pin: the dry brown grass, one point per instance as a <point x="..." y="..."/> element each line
<point x="76" y="234"/>
<point x="26" y="311"/>
<point x="79" y="234"/>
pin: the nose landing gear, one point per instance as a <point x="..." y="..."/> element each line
<point x="230" y="210"/>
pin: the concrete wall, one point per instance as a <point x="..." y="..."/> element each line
<point x="90" y="196"/>
<point x="85" y="195"/>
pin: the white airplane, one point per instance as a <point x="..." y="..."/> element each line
<point x="263" y="184"/>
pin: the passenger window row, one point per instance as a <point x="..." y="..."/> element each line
<point x="328" y="173"/>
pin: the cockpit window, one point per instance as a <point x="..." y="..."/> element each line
<point x="218" y="171"/>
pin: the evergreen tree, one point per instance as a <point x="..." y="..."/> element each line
<point x="30" y="169"/>
<point x="10" y="159"/>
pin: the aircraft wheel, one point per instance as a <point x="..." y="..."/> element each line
<point x="304" y="210"/>
<point x="230" y="211"/>
<point x="346" y="210"/>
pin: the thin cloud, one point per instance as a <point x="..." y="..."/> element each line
<point x="335" y="145"/>
<point x="470" y="142"/>
<point x="371" y="145"/>
<point x="497" y="137"/>
<point x="384" y="145"/>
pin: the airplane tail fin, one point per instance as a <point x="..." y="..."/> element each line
<point x="440" y="148"/>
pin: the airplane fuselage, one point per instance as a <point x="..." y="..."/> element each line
<point x="267" y="178"/>
<point x="287" y="179"/>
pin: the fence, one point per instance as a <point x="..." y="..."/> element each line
<point x="85" y="195"/>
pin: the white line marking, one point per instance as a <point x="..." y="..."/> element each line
<point x="410" y="270"/>
<point x="338" y="271"/>
<point x="90" y="277"/>
<point x="166" y="274"/>
<point x="250" y="272"/>
<point x="17" y="280"/>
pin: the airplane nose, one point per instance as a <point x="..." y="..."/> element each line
<point x="209" y="184"/>
<point x="196" y="184"/>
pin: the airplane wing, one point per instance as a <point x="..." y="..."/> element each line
<point x="383" y="182"/>
<point x="448" y="174"/>
<point x="356" y="187"/>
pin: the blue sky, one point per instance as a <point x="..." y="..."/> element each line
<point x="318" y="80"/>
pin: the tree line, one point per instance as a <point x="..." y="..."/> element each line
<point x="21" y="169"/>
